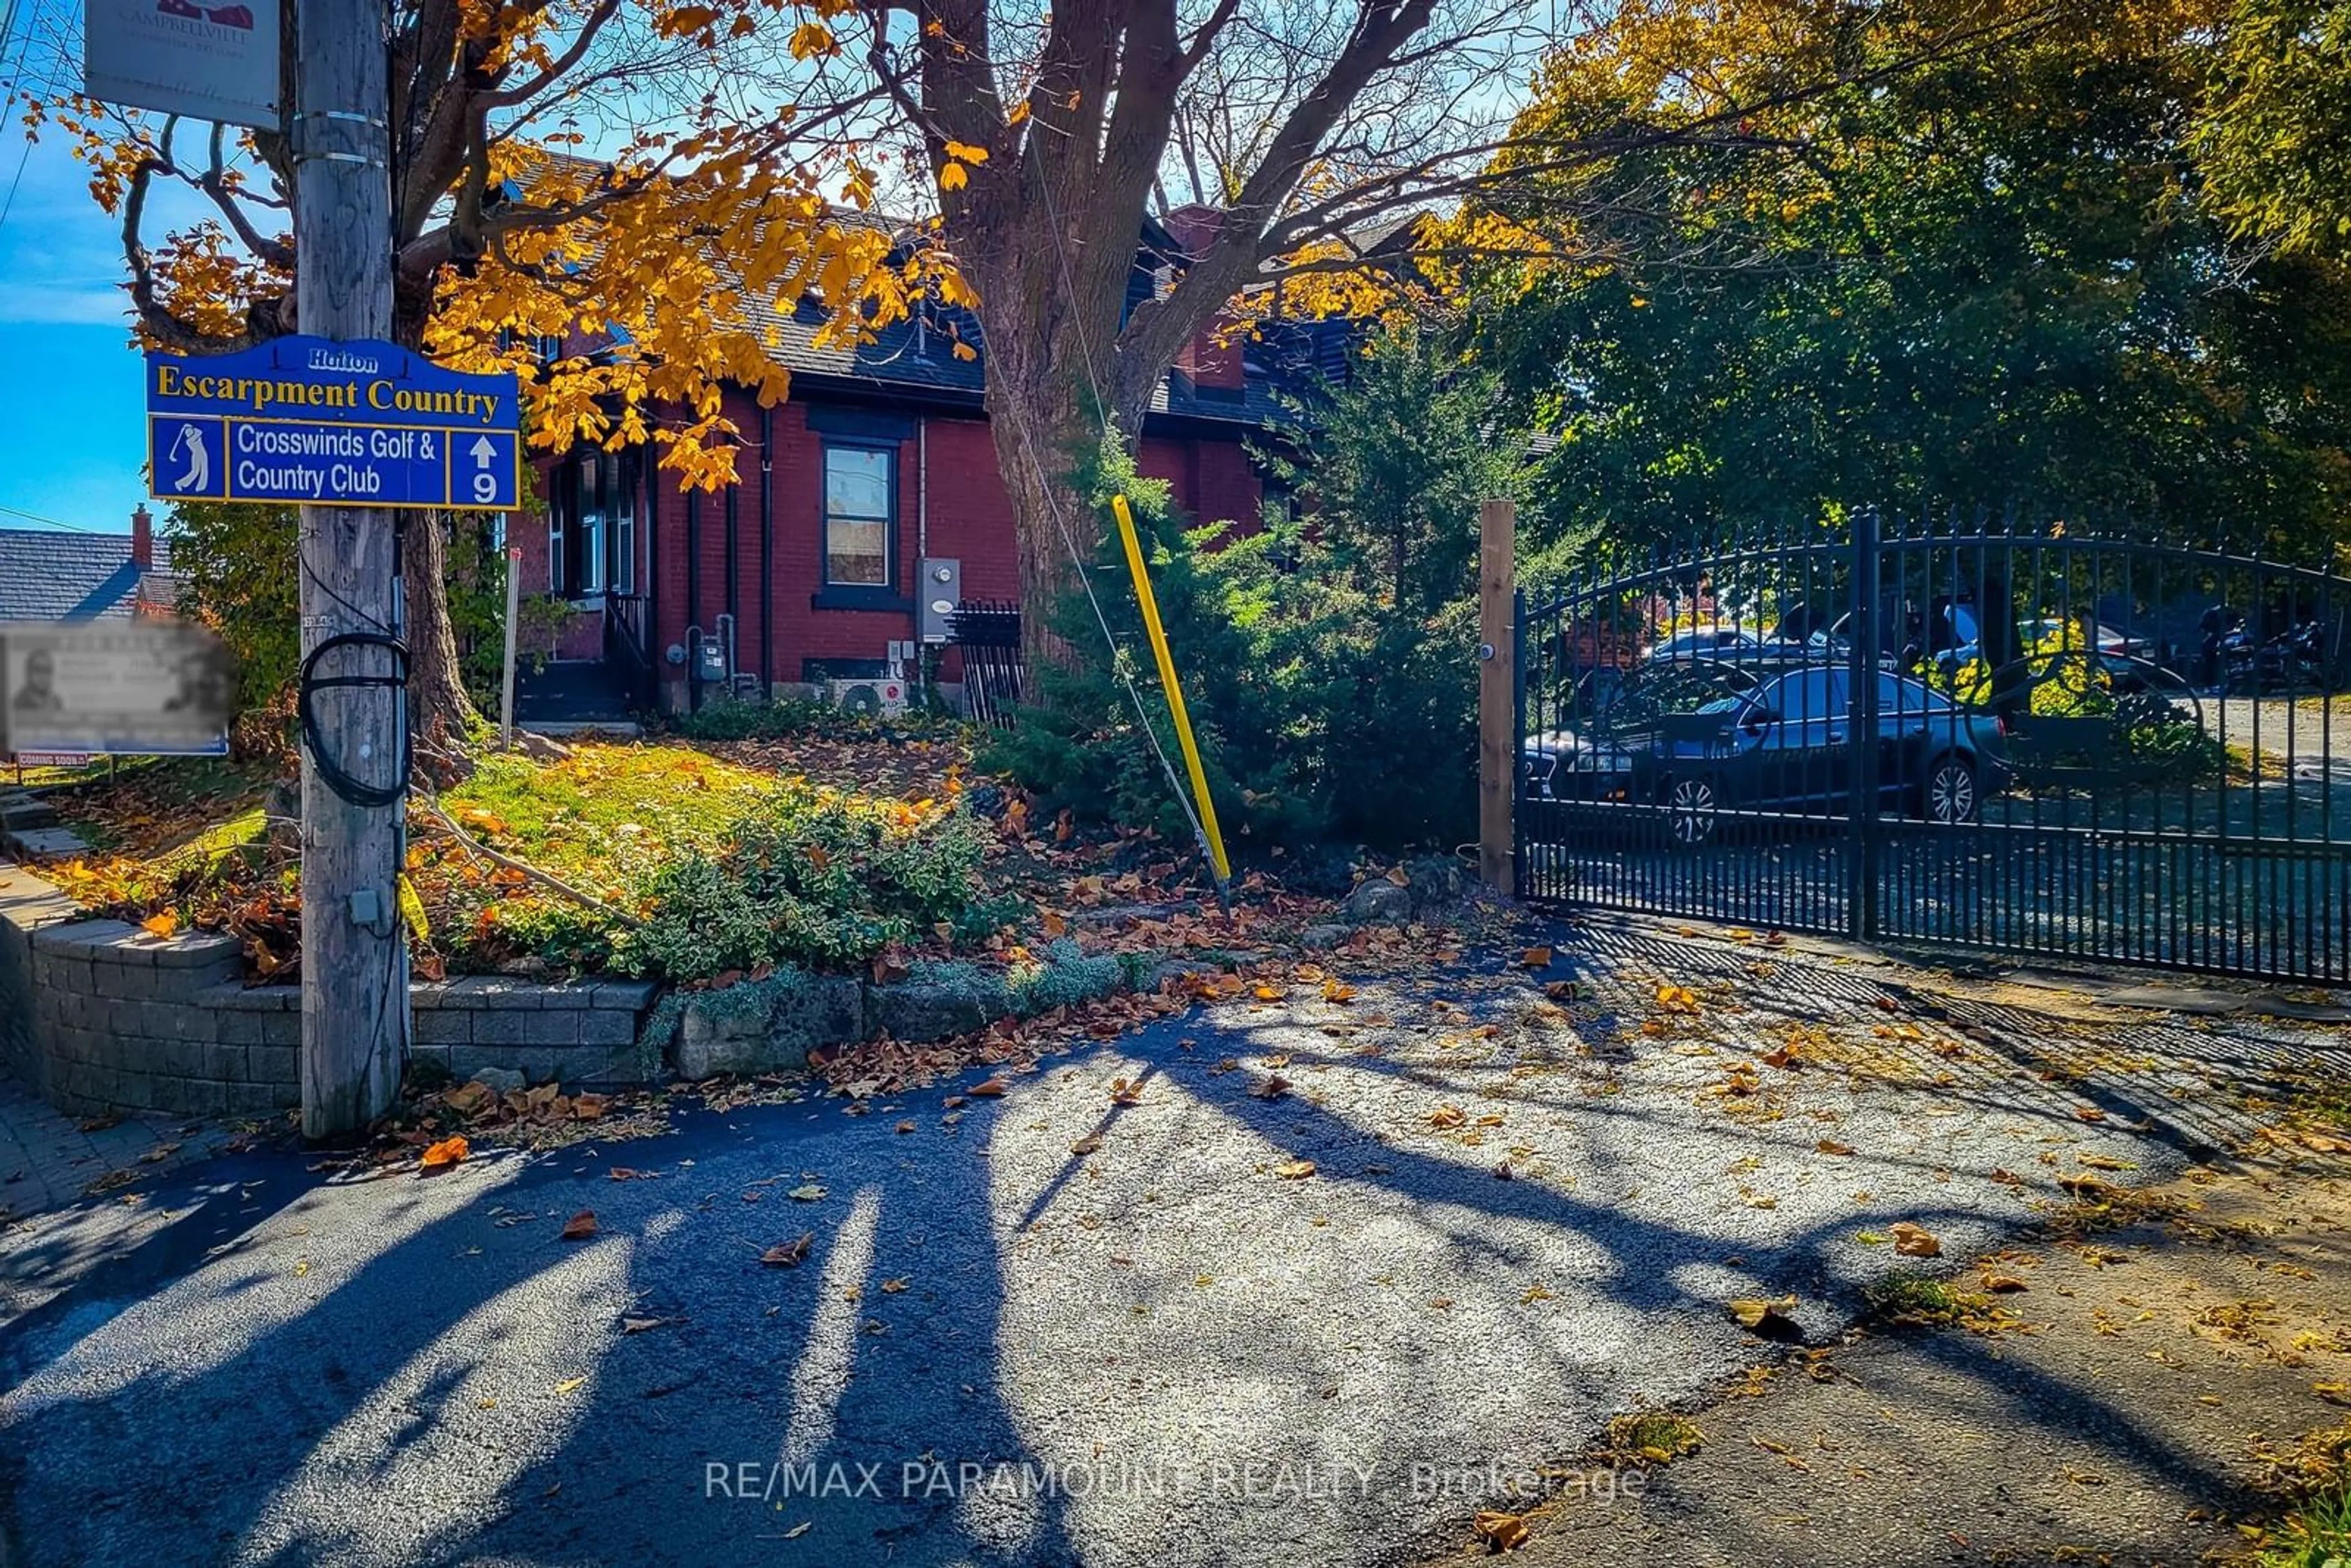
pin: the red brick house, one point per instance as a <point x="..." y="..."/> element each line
<point x="880" y="461"/>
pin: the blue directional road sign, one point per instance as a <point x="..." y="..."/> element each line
<point x="350" y="424"/>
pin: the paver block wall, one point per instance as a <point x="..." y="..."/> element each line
<point x="98" y="1016"/>
<point x="119" y="1017"/>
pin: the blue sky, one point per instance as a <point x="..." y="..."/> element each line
<point x="71" y="443"/>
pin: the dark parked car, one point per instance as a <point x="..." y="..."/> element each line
<point x="1610" y="715"/>
<point x="1784" y="746"/>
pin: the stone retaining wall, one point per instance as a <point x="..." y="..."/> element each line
<point x="98" y="1016"/>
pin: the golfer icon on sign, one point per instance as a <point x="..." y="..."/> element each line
<point x="197" y="477"/>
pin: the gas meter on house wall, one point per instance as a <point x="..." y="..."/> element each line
<point x="710" y="662"/>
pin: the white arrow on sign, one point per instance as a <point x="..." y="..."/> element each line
<point x="483" y="451"/>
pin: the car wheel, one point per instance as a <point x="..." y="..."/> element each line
<point x="1950" y="796"/>
<point x="1690" y="807"/>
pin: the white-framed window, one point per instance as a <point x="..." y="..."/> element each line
<point x="623" y="506"/>
<point x="860" y="516"/>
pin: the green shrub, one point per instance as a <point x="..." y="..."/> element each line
<point x="1063" y="977"/>
<point x="1325" y="711"/>
<point x="728" y="719"/>
<point x="807" y="877"/>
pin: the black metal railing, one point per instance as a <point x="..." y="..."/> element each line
<point x="626" y="657"/>
<point x="986" y="635"/>
<point x="2040" y="742"/>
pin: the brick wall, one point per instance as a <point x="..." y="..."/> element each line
<point x="969" y="518"/>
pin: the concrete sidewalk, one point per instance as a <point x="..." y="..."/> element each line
<point x="1148" y="1307"/>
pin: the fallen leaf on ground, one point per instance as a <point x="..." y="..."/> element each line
<point x="1274" y="1088"/>
<point x="1536" y="958"/>
<point x="639" y="1325"/>
<point x="469" y="1098"/>
<point x="1915" y="1240"/>
<point x="447" y="1151"/>
<point x="1448" y="1116"/>
<point x="568" y="1384"/>
<point x="2088" y="1114"/>
<point x="1090" y="1144"/>
<point x="892" y="1286"/>
<point x="1123" y="1092"/>
<point x="1752" y="1311"/>
<point x="1502" y="1531"/>
<point x="580" y="1226"/>
<point x="161" y="924"/>
<point x="993" y="1089"/>
<point x="788" y="1254"/>
<point x="810" y="1193"/>
<point x="1831" y="1147"/>
<point x="1294" y="1170"/>
<point x="2003" y="1282"/>
<point x="590" y="1107"/>
<point x="907" y="1126"/>
<point x="1533" y="1294"/>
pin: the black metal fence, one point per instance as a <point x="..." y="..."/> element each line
<point x="986" y="635"/>
<point x="2034" y="742"/>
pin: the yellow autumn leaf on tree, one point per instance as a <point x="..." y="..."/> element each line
<point x="953" y="177"/>
<point x="810" y="39"/>
<point x="966" y="152"/>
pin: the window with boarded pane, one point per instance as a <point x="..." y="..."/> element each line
<point x="861" y="494"/>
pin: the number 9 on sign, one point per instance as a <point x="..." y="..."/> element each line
<point x="485" y="487"/>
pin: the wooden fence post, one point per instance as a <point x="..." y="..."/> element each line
<point x="1498" y="762"/>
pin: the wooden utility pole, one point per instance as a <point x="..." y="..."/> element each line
<point x="354" y="956"/>
<point x="1498" y="759"/>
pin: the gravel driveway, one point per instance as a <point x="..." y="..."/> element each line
<point x="1177" y="1349"/>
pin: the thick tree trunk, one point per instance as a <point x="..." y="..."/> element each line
<point x="1049" y="517"/>
<point x="1043" y="420"/>
<point x="439" y="710"/>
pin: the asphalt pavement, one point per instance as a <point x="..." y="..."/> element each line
<point x="1525" y="1214"/>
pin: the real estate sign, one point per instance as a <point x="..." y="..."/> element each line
<point x="118" y="688"/>
<point x="207" y="61"/>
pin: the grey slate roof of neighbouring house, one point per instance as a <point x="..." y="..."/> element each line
<point x="50" y="574"/>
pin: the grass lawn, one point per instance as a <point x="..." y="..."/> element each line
<point x="605" y="814"/>
<point x="841" y="825"/>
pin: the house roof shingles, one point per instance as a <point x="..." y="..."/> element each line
<point x="46" y="575"/>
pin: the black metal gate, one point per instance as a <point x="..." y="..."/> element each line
<point x="2034" y="742"/>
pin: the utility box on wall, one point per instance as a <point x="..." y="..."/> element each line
<point x="939" y="593"/>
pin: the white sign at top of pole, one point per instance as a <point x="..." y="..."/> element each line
<point x="207" y="60"/>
